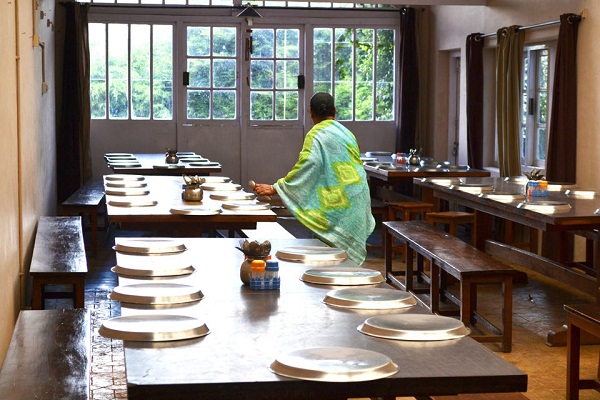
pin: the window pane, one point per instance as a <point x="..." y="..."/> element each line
<point x="224" y="73"/>
<point x="286" y="106"/>
<point x="198" y="41"/>
<point x="364" y="101"/>
<point x="140" y="71"/>
<point x="162" y="70"/>
<point x="97" y="43"/>
<point x="344" y="66"/>
<point x="364" y="74"/>
<point x="261" y="74"/>
<point x="542" y="107"/>
<point x="198" y="104"/>
<point x="199" y="73"/>
<point x="323" y="55"/>
<point x="262" y="43"/>
<point x="287" y="74"/>
<point x="224" y="40"/>
<point x="261" y="105"/>
<point x="287" y="43"/>
<point x="541" y="148"/>
<point x="543" y="69"/>
<point x="118" y="66"/>
<point x="385" y="67"/>
<point x="224" y="104"/>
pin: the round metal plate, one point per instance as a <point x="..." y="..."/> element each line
<point x="334" y="364"/>
<point x="414" y="327"/>
<point x="126" y="184"/>
<point x="225" y="187"/>
<point x="124" y="177"/>
<point x="149" y="246"/>
<point x="118" y="155"/>
<point x="474" y="189"/>
<point x="367" y="159"/>
<point x="156" y="293"/>
<point x="342" y="276"/>
<point x="442" y="181"/>
<point x="502" y="197"/>
<point x="153" y="328"/>
<point x="545" y="207"/>
<point x="127" y="164"/>
<point x="204" y="164"/>
<point x="170" y="265"/>
<point x="307" y="254"/>
<point x="378" y="153"/>
<point x="369" y="298"/>
<point x="192" y="159"/>
<point x="127" y="192"/>
<point x="195" y="211"/>
<point x="132" y="203"/>
<point x="169" y="166"/>
<point x="241" y="206"/>
<point x="216" y="179"/>
<point x="152" y="273"/>
<point x="560" y="186"/>
<point x="186" y="153"/>
<point x="582" y="194"/>
<point x="233" y="196"/>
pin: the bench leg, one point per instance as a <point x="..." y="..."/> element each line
<point x="434" y="288"/>
<point x="465" y="301"/>
<point x="507" y="315"/>
<point x="94" y="222"/>
<point x="573" y="343"/>
<point x="36" y="295"/>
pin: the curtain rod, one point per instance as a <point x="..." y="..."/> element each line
<point x="540" y="25"/>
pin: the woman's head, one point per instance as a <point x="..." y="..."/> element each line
<point x="321" y="105"/>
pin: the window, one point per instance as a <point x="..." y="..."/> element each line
<point x="131" y="71"/>
<point x="534" y="110"/>
<point x="212" y="72"/>
<point x="274" y="70"/>
<point x="356" y="65"/>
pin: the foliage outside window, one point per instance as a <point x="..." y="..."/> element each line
<point x="534" y="110"/>
<point x="356" y="65"/>
<point x="131" y="71"/>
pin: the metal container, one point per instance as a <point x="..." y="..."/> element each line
<point x="342" y="276"/>
<point x="369" y="298"/>
<point x="414" y="327"/>
<point x="334" y="364"/>
<point x="156" y="293"/>
<point x="308" y="254"/>
<point x="153" y="328"/>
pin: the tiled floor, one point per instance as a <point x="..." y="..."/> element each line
<point x="538" y="307"/>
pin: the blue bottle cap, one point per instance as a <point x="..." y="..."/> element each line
<point x="272" y="265"/>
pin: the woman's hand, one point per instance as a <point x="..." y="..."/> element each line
<point x="263" y="189"/>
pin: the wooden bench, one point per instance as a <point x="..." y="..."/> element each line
<point x="89" y="199"/>
<point x="450" y="256"/>
<point x="48" y="356"/>
<point x="58" y="259"/>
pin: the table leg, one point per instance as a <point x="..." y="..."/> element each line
<point x="482" y="229"/>
<point x="573" y="348"/>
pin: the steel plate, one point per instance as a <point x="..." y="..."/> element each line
<point x="132" y="203"/>
<point x="169" y="166"/>
<point x="378" y="153"/>
<point x="204" y="164"/>
<point x="121" y="158"/>
<point x="126" y="184"/>
<point x="118" y="155"/>
<point x="149" y="245"/>
<point x="431" y="169"/>
<point x="414" y="327"/>
<point x="392" y="167"/>
<point x="247" y="206"/>
<point x="369" y="298"/>
<point x="186" y="153"/>
<point x="334" y="364"/>
<point x="169" y="265"/>
<point x="152" y="273"/>
<point x="560" y="186"/>
<point x="474" y="189"/>
<point x="342" y="276"/>
<point x="153" y="328"/>
<point x="156" y="293"/>
<point x="516" y="179"/>
<point x="124" y="177"/>
<point x="367" y="159"/>
<point x="457" y="167"/>
<point x="442" y="181"/>
<point x="195" y="211"/>
<point x="225" y="187"/>
<point x="582" y="194"/>
<point x="545" y="207"/>
<point x="311" y="253"/>
<point x="216" y="179"/>
<point x="127" y="192"/>
<point x="233" y="196"/>
<point x="502" y="197"/>
<point x="193" y="159"/>
<point x="125" y="164"/>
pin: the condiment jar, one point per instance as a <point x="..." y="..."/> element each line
<point x="272" y="280"/>
<point x="257" y="275"/>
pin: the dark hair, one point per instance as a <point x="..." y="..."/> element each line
<point x="322" y="105"/>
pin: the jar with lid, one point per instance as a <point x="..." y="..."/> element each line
<point x="257" y="275"/>
<point x="272" y="280"/>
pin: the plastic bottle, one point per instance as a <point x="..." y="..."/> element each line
<point x="257" y="275"/>
<point x="544" y="188"/>
<point x="272" y="279"/>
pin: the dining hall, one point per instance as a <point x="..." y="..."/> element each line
<point x="299" y="200"/>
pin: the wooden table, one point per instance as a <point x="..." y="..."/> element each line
<point x="249" y="329"/>
<point x="166" y="190"/>
<point x="154" y="164"/>
<point x="586" y="318"/>
<point x="582" y="215"/>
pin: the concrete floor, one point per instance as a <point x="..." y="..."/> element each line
<point x="538" y="308"/>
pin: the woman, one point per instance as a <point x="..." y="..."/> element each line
<point x="327" y="189"/>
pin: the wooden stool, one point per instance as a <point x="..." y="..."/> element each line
<point x="379" y="209"/>
<point x="409" y="211"/>
<point x="452" y="219"/>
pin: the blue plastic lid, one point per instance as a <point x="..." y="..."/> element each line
<point x="272" y="265"/>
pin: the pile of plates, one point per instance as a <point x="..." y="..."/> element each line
<point x="129" y="191"/>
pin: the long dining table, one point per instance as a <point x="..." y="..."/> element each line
<point x="249" y="329"/>
<point x="162" y="202"/>
<point x="189" y="163"/>
<point x="565" y="209"/>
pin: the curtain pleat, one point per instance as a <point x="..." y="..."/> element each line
<point x="562" y="135"/>
<point x="474" y="68"/>
<point x="73" y="152"/>
<point x="409" y="82"/>
<point x="509" y="66"/>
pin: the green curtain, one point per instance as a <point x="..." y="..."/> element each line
<point x="509" y="66"/>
